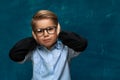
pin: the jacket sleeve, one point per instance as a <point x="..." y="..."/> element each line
<point x="22" y="48"/>
<point x="73" y="41"/>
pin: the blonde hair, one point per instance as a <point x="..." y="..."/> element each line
<point x="43" y="14"/>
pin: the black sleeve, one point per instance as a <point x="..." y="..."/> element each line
<point x="22" y="48"/>
<point x="73" y="40"/>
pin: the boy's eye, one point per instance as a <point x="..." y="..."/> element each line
<point x="39" y="31"/>
<point x="50" y="28"/>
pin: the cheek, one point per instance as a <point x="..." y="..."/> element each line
<point x="54" y="38"/>
<point x="39" y="39"/>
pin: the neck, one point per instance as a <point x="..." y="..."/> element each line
<point x="50" y="47"/>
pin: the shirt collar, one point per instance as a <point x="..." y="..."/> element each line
<point x="58" y="45"/>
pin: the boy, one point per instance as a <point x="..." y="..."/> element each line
<point x="49" y="49"/>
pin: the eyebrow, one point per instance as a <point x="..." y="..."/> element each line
<point x="47" y="27"/>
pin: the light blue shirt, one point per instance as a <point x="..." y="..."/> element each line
<point x="52" y="64"/>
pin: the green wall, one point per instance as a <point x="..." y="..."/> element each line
<point x="96" y="20"/>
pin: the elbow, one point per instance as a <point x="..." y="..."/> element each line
<point x="84" y="45"/>
<point x="81" y="45"/>
<point x="16" y="57"/>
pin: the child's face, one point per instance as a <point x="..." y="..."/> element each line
<point x="46" y="32"/>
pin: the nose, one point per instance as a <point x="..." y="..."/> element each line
<point x="45" y="33"/>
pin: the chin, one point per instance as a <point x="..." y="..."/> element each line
<point x="49" y="45"/>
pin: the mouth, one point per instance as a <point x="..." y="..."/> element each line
<point x="46" y="40"/>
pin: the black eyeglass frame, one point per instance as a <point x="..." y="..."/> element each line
<point x="41" y="31"/>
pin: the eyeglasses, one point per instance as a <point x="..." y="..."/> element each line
<point x="50" y="30"/>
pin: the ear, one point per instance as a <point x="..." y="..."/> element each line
<point x="58" y="29"/>
<point x="33" y="34"/>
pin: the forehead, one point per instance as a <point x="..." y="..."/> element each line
<point x="44" y="23"/>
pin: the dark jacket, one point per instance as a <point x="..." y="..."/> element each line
<point x="24" y="46"/>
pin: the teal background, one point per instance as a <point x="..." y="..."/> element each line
<point x="96" y="20"/>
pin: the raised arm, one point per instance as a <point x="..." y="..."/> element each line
<point x="73" y="41"/>
<point x="22" y="48"/>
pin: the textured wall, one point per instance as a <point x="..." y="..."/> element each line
<point x="97" y="20"/>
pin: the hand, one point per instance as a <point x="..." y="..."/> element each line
<point x="58" y="29"/>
